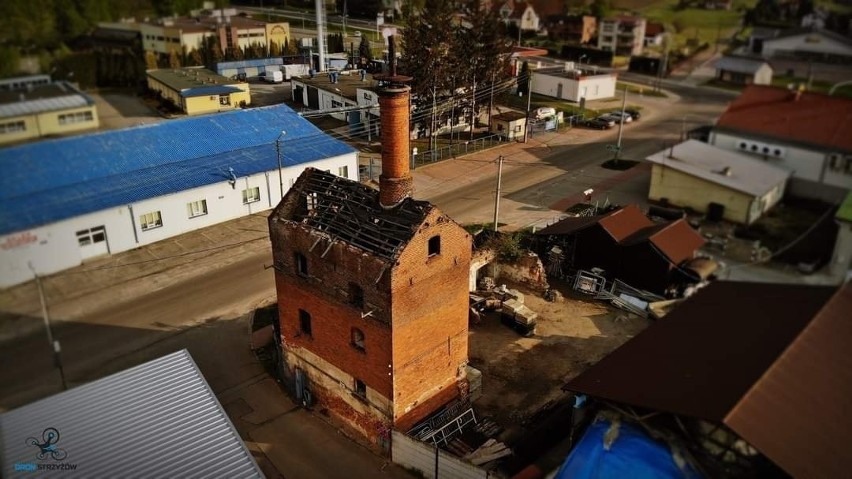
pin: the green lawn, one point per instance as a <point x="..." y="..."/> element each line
<point x="691" y="24"/>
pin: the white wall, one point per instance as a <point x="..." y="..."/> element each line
<point x="54" y="247"/>
<point x="414" y="454"/>
<point x="812" y="176"/>
<point x="591" y="87"/>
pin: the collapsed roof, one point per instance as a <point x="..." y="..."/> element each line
<point x="348" y="211"/>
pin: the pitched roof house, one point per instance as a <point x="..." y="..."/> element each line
<point x="626" y="245"/>
<point x="804" y="132"/>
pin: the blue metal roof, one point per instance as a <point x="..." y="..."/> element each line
<point x="59" y="179"/>
<point x="208" y="90"/>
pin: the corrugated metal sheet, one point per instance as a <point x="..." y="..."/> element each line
<point x="53" y="180"/>
<point x="706" y="354"/>
<point x="29" y="107"/>
<point x="158" y="419"/>
<point x="797" y="414"/>
<point x="678" y="241"/>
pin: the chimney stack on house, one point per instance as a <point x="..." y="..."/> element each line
<point x="395" y="182"/>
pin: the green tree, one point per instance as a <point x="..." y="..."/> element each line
<point x="364" y="49"/>
<point x="10" y="60"/>
<point x="274" y="49"/>
<point x="151" y="60"/>
<point x="600" y="9"/>
<point x="174" y="60"/>
<point x="195" y="58"/>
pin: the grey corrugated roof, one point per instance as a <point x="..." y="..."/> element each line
<point x="704" y="161"/>
<point x="158" y="419"/>
<point x="58" y="95"/>
<point x="740" y="64"/>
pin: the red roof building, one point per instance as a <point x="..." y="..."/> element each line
<point x="807" y="133"/>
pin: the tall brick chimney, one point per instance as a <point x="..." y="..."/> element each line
<point x="395" y="182"/>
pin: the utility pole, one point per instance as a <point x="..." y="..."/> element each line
<point x="529" y="99"/>
<point x="54" y="344"/>
<point x="491" y="102"/>
<point x="278" y="154"/>
<point x="497" y="197"/>
<point x="473" y="110"/>
<point x="621" y="124"/>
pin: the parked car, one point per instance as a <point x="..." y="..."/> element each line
<point x="610" y="121"/>
<point x="633" y="113"/>
<point x="616" y="115"/>
<point x="544" y="112"/>
<point x="596" y="124"/>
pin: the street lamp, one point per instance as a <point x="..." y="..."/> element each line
<point x="580" y="60"/>
<point x="278" y="154"/>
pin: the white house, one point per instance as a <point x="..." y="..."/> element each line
<point x="802" y="43"/>
<point x="572" y="85"/>
<point x="67" y="200"/>
<point x="805" y="133"/>
<point x="743" y="70"/>
<point x="520" y="14"/>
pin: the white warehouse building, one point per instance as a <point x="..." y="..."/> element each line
<point x="67" y="200"/>
<point x="572" y="85"/>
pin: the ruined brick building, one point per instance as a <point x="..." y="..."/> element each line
<point x="372" y="291"/>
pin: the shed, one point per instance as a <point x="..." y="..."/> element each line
<point x="743" y="70"/>
<point x="696" y="175"/>
<point x="767" y="361"/>
<point x="158" y="419"/>
<point x="509" y="125"/>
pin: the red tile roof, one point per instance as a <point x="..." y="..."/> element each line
<point x="676" y="240"/>
<point x="816" y="119"/>
<point x="624" y="222"/>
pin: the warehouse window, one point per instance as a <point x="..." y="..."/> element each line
<point x="79" y="117"/>
<point x="150" y="220"/>
<point x="224" y="100"/>
<point x="305" y="323"/>
<point x="12" y="127"/>
<point x="92" y="235"/>
<point x="343" y="171"/>
<point x="196" y="208"/>
<point x="251" y="195"/>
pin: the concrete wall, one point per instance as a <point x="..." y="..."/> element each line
<point x="430" y="319"/>
<point x="413" y="454"/>
<point x="689" y="191"/>
<point x="54" y="247"/>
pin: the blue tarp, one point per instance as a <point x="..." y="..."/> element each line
<point x="632" y="454"/>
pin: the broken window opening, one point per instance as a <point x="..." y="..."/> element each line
<point x="434" y="245"/>
<point x="360" y="388"/>
<point x="356" y="295"/>
<point x="305" y="323"/>
<point x="301" y="264"/>
<point x="358" y="340"/>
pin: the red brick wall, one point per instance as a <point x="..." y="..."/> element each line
<point x="430" y="316"/>
<point x="324" y="296"/>
<point x="395" y="182"/>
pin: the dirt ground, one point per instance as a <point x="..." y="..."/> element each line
<point x="521" y="375"/>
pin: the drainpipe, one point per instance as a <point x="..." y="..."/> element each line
<point x="133" y="223"/>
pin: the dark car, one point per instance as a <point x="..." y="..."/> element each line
<point x="596" y="124"/>
<point x="634" y="113"/>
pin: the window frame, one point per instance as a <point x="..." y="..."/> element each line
<point x="247" y="200"/>
<point x="360" y="388"/>
<point x="191" y="211"/>
<point x="156" y="220"/>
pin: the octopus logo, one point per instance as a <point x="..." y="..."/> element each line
<point x="47" y="446"/>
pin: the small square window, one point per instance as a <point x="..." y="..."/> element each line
<point x="360" y="388"/>
<point x="150" y="220"/>
<point x="305" y="323"/>
<point x="196" y="208"/>
<point x="343" y="171"/>
<point x="434" y="245"/>
<point x="301" y="264"/>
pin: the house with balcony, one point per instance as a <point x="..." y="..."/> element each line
<point x="578" y="29"/>
<point x="622" y="35"/>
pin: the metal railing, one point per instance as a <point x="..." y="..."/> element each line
<point x="462" y="147"/>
